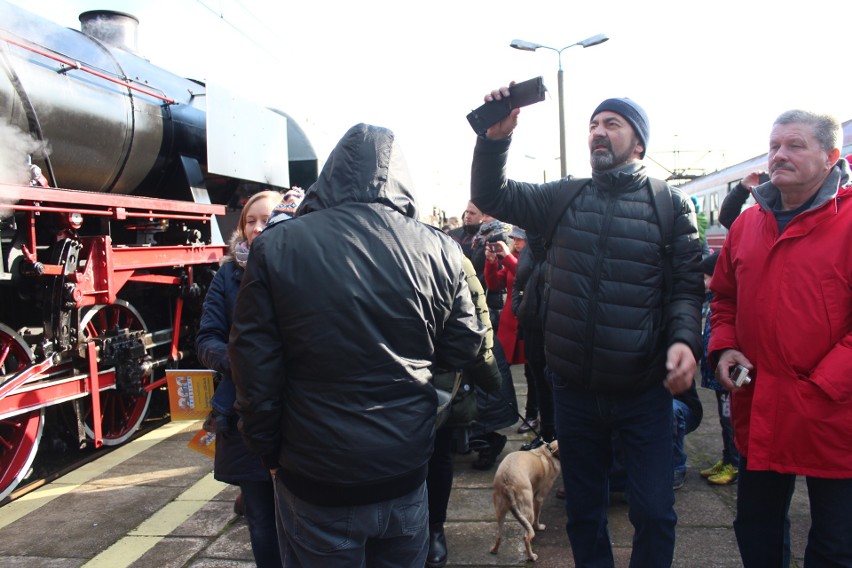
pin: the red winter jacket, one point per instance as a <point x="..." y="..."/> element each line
<point x="786" y="303"/>
<point x="507" y="331"/>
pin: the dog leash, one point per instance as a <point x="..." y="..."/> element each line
<point x="545" y="443"/>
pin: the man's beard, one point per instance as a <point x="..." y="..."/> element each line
<point x="605" y="159"/>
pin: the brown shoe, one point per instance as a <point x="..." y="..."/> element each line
<point x="239" y="506"/>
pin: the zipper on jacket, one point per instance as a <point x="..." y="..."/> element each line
<point x="591" y="318"/>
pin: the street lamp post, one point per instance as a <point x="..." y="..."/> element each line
<point x="530" y="46"/>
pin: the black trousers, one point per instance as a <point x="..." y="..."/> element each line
<point x="536" y="362"/>
<point x="439" y="480"/>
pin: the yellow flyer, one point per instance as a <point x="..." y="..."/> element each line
<point x="204" y="443"/>
<point x="190" y="391"/>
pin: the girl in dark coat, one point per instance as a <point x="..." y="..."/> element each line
<point x="233" y="463"/>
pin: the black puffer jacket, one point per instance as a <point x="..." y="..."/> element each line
<point x="607" y="327"/>
<point x="341" y="314"/>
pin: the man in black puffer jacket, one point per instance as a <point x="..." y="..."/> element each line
<point x="342" y="312"/>
<point x="619" y="339"/>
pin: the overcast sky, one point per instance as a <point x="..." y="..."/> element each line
<point x="712" y="76"/>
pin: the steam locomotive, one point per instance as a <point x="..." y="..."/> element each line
<point x="114" y="185"/>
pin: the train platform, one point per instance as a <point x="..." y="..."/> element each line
<point x="154" y="503"/>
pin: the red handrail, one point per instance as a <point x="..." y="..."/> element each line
<point x="77" y="65"/>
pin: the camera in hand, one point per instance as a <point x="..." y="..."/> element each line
<point x="491" y="232"/>
<point x="739" y="375"/>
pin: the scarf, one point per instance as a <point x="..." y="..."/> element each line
<point x="241" y="253"/>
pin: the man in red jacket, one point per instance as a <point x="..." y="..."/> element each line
<point x="782" y="308"/>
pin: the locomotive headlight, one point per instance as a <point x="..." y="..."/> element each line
<point x="74" y="220"/>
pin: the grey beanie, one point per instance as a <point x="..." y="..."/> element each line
<point x="634" y="114"/>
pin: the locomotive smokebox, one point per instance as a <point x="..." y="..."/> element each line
<point x="117" y="29"/>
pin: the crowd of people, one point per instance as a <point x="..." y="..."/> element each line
<point x="360" y="349"/>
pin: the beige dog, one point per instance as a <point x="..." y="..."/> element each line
<point x="521" y="483"/>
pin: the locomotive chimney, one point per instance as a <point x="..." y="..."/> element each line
<point x="117" y="29"/>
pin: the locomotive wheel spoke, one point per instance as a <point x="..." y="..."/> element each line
<point x="121" y="413"/>
<point x="20" y="434"/>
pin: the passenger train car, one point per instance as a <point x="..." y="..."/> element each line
<point x="711" y="189"/>
<point x="114" y="180"/>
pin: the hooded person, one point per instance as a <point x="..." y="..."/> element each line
<point x="334" y="390"/>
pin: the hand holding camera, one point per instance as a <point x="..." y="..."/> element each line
<point x="732" y="369"/>
<point x="739" y="375"/>
<point x="498" y="248"/>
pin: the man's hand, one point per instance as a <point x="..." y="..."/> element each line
<point x="681" y="365"/>
<point x="752" y="180"/>
<point x="505" y="127"/>
<point x="729" y="358"/>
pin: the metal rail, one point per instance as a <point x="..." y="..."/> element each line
<point x="79" y="66"/>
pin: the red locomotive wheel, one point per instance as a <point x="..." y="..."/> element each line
<point x="20" y="434"/>
<point x="19" y="438"/>
<point x="121" y="414"/>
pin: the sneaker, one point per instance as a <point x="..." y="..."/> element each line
<point x="717" y="468"/>
<point x="679" y="479"/>
<point x="727" y="476"/>
<point x="527" y="425"/>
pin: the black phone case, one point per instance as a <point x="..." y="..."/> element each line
<point x="520" y="94"/>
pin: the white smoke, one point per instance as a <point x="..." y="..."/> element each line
<point x="16" y="147"/>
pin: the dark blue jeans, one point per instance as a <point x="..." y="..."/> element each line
<point x="389" y="534"/>
<point x="585" y="424"/>
<point x="259" y="500"/>
<point x="684" y="422"/>
<point x="729" y="450"/>
<point x="762" y="524"/>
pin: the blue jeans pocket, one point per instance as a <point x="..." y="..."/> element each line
<point x="413" y="518"/>
<point x="323" y="531"/>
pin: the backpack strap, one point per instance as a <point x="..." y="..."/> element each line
<point x="568" y="190"/>
<point x="664" y="209"/>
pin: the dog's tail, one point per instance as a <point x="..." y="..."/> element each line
<point x="519" y="515"/>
